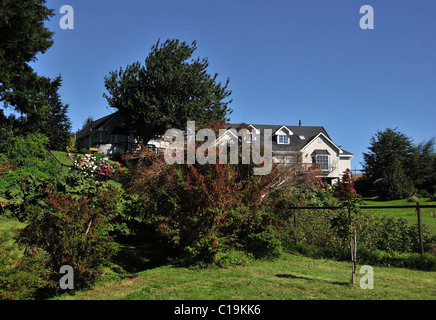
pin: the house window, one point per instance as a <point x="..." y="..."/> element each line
<point x="283" y="139"/>
<point x="286" y="159"/>
<point x="290" y="159"/>
<point x="113" y="138"/>
<point x="323" y="160"/>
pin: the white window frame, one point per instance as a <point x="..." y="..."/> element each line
<point x="323" y="163"/>
<point x="290" y="159"/>
<point x="283" y="135"/>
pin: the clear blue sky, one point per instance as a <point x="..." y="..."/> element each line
<point x="287" y="60"/>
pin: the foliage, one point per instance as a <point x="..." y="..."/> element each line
<point x="345" y="186"/>
<point x="71" y="146"/>
<point x="364" y="186"/>
<point x="72" y="232"/>
<point x="8" y="130"/>
<point x="386" y="147"/>
<point x="396" y="234"/>
<point x="394" y="183"/>
<point x="395" y="161"/>
<point x="91" y="166"/>
<point x="16" y="282"/>
<point x="57" y="125"/>
<point x="204" y="210"/>
<point x="167" y="91"/>
<point x="21" y="186"/>
<point x="323" y="233"/>
<point x="25" y="150"/>
<point x="20" y="86"/>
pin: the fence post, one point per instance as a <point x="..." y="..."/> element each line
<point x="421" y="242"/>
<point x="353" y="246"/>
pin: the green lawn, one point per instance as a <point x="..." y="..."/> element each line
<point x="62" y="157"/>
<point x="136" y="275"/>
<point x="408" y="214"/>
<point x="292" y="277"/>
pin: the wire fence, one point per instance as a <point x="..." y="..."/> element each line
<point x="421" y="219"/>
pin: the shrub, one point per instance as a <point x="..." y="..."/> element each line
<point x="23" y="275"/>
<point x="91" y="165"/>
<point x="233" y="258"/>
<point x="345" y="186"/>
<point x="364" y="186"/>
<point x="26" y="149"/>
<point x="204" y="210"/>
<point x="72" y="233"/>
<point x="424" y="193"/>
<point x="394" y="184"/>
<point x="265" y="244"/>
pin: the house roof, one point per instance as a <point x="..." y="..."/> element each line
<point x="301" y="136"/>
<point x="94" y="125"/>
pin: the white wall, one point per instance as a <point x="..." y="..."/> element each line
<point x="322" y="143"/>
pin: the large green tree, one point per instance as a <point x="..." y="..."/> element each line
<point x="22" y="36"/>
<point x="386" y="147"/>
<point x="169" y="90"/>
<point x="394" y="162"/>
<point x="36" y="98"/>
<point x="57" y="124"/>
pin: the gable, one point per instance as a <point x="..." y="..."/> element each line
<point x="283" y="130"/>
<point x="319" y="141"/>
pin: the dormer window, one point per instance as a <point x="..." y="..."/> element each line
<point x="283" y="139"/>
<point x="283" y="135"/>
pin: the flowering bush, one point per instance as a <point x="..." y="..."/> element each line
<point x="91" y="165"/>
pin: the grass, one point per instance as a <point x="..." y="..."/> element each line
<point x="291" y="277"/>
<point x="63" y="157"/>
<point x="137" y="273"/>
<point x="408" y="214"/>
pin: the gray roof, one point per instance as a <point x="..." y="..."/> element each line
<point x="302" y="135"/>
<point x="94" y="125"/>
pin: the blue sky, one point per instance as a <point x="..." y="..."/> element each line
<point x="287" y="61"/>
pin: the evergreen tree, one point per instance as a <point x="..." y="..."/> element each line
<point x="386" y="147"/>
<point x="169" y="90"/>
<point x="23" y="35"/>
<point x="58" y="124"/>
